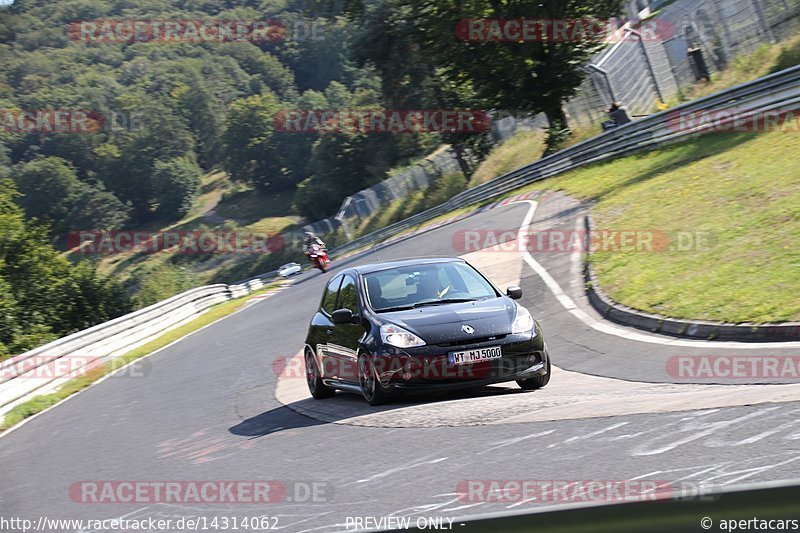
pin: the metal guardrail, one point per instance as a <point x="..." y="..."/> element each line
<point x="779" y="91"/>
<point x="39" y="371"/>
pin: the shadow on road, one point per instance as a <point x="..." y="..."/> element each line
<point x="272" y="421"/>
<point x="346" y="407"/>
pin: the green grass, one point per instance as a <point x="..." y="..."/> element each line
<point x="765" y="59"/>
<point x="40" y="403"/>
<point x="522" y="149"/>
<point x="249" y="206"/>
<point x="740" y="192"/>
<point x="236" y="208"/>
<point x="741" y="189"/>
<point x="415" y="202"/>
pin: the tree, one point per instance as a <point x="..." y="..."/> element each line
<point x="206" y="119"/>
<point x="91" y="298"/>
<point x="259" y="153"/>
<point x="530" y="76"/>
<point x="389" y="42"/>
<point x="267" y="70"/>
<point x="47" y="187"/>
<point x="317" y="50"/>
<point x="43" y="295"/>
<point x="51" y="191"/>
<point x="128" y="163"/>
<point x="175" y="185"/>
<point x="341" y="164"/>
<point x="9" y="323"/>
<point x="96" y="208"/>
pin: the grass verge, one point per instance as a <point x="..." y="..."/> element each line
<point x="740" y="193"/>
<point x="520" y="150"/>
<point x="412" y="203"/>
<point x="734" y="198"/>
<point x="42" y="402"/>
<point x="765" y="59"/>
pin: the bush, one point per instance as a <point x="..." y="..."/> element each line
<point x="789" y="56"/>
<point x="42" y="295"/>
<point x="176" y="183"/>
<point x="158" y="283"/>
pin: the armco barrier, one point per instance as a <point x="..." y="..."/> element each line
<point x="109" y="340"/>
<point x="779" y="91"/>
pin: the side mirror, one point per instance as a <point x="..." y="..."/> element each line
<point x="342" y="316"/>
<point x="515" y="293"/>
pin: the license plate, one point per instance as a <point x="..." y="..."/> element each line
<point x="475" y="356"/>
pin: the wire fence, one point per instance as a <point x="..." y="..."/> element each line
<point x="368" y="201"/>
<point x="699" y="37"/>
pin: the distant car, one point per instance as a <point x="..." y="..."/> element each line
<point x="423" y="324"/>
<point x="290" y="269"/>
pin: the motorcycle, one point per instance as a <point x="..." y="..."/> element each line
<point x="319" y="257"/>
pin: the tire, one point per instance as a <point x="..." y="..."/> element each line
<point x="371" y="388"/>
<point x="316" y="387"/>
<point x="536" y="382"/>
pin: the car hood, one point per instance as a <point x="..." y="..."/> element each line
<point x="439" y="324"/>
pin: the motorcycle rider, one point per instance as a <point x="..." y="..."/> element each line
<point x="311" y="239"/>
<point x="315" y="246"/>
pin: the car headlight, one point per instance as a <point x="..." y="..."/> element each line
<point x="523" y="322"/>
<point x="398" y="337"/>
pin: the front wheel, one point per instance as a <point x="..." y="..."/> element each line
<point x="371" y="387"/>
<point x="316" y="387"/>
<point x="536" y="382"/>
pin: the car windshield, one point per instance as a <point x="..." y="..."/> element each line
<point x="427" y="284"/>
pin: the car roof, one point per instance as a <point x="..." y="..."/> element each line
<point x="388" y="265"/>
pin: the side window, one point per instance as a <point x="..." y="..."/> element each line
<point x="348" y="297"/>
<point x="329" y="298"/>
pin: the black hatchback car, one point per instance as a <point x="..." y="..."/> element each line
<point x="420" y="324"/>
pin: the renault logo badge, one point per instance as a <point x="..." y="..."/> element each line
<point x="467" y="329"/>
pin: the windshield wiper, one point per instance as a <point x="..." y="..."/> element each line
<point x="425" y="303"/>
<point x="444" y="301"/>
<point x="392" y="309"/>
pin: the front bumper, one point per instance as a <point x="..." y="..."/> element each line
<point x="429" y="368"/>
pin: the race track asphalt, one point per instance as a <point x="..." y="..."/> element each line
<point x="206" y="409"/>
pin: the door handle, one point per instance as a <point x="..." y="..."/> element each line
<point x="330" y="331"/>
